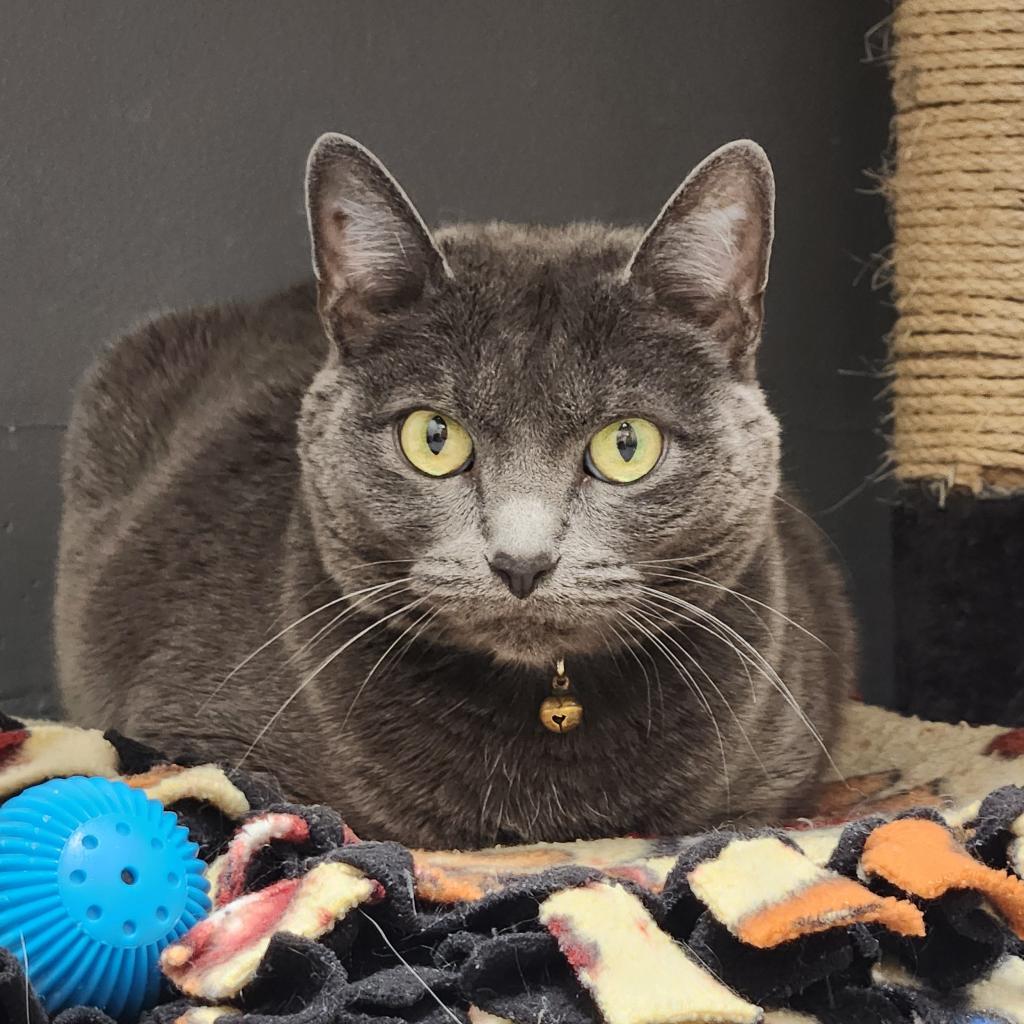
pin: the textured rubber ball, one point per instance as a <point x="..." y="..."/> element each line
<point x="86" y="898"/>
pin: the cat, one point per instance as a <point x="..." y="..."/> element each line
<point x="344" y="535"/>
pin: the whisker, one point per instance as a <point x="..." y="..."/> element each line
<point x="718" y="690"/>
<point x="412" y="970"/>
<point x="312" y="675"/>
<point x="396" y="660"/>
<point x="382" y="561"/>
<point x="277" y="636"/>
<point x="744" y="661"/>
<point x="280" y="615"/>
<point x="728" y="633"/>
<point x="647" y="679"/>
<point x="699" y="579"/>
<point x="698" y="693"/>
<point x="428" y="614"/>
<point x="715" y="549"/>
<point x="367" y="601"/>
<point x="718" y="629"/>
<point x="817" y="526"/>
<point x="626" y="644"/>
<point x="613" y="654"/>
<point x="665" y="561"/>
<point x="329" y="577"/>
<point x="759" y="661"/>
<point x="706" y="581"/>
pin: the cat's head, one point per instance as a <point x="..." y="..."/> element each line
<point x="513" y="421"/>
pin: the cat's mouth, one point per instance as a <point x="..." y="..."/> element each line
<point x="536" y="639"/>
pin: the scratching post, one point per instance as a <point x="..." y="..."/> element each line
<point x="957" y="356"/>
<point x="958" y="217"/>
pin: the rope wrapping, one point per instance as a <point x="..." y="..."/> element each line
<point x="956" y="198"/>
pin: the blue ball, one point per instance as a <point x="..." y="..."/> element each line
<point x="95" y="880"/>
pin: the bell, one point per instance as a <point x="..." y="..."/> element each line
<point x="561" y="714"/>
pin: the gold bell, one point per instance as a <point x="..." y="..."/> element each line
<point x="561" y="712"/>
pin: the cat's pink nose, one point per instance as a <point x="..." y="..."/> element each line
<point x="521" y="575"/>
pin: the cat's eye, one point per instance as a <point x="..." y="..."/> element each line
<point x="624" y="451"/>
<point x="435" y="444"/>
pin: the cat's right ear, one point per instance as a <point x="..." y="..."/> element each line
<point x="372" y="253"/>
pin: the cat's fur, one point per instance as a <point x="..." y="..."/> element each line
<point x="229" y="471"/>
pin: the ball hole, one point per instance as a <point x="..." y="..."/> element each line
<point x="122" y="828"/>
<point x="90" y="842"/>
<point x="77" y="876"/>
<point x="128" y="927"/>
<point x="161" y="913"/>
<point x="94" y="913"/>
<point x="172" y="879"/>
<point x="157" y="844"/>
<point x="128" y="876"/>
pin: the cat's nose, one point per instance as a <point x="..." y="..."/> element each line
<point x="521" y="575"/>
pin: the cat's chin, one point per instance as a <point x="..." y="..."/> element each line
<point x="528" y="657"/>
<point x="532" y="647"/>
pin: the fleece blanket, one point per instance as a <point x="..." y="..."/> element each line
<point x="899" y="898"/>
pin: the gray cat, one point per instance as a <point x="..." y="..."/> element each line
<point x="350" y="548"/>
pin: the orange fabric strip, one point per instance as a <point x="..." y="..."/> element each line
<point x="920" y="857"/>
<point x="832" y="903"/>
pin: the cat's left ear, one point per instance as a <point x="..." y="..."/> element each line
<point x="372" y="253"/>
<point x="706" y="256"/>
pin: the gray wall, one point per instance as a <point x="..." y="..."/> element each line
<point x="152" y="156"/>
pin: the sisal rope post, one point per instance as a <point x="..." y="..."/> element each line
<point x="957" y="204"/>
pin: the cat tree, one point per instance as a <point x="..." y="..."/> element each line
<point x="957" y="356"/>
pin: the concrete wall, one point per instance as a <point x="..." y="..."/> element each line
<point x="152" y="156"/>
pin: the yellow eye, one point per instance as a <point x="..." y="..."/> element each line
<point x="624" y="451"/>
<point x="436" y="445"/>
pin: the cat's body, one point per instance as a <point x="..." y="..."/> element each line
<point x="229" y="472"/>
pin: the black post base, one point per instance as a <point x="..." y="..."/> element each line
<point x="958" y="579"/>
